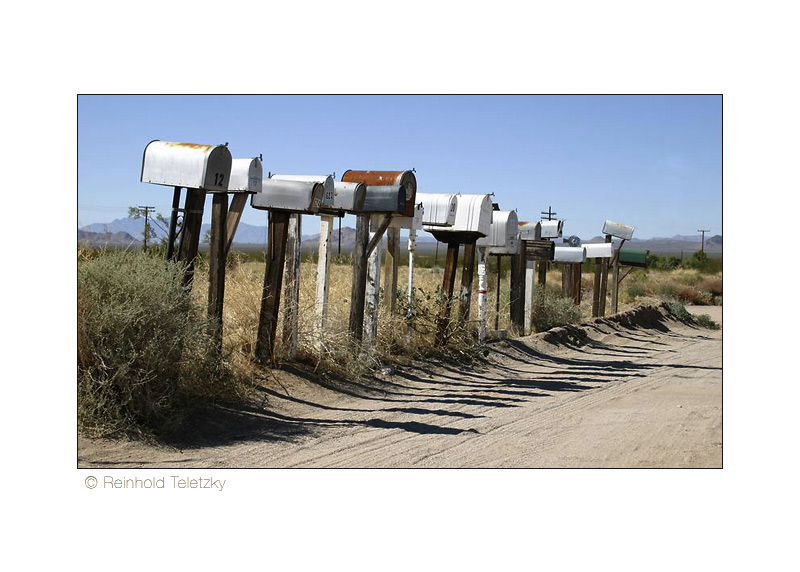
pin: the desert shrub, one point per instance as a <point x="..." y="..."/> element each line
<point x="144" y="351"/>
<point x="679" y="311"/>
<point x="711" y="285"/>
<point x="550" y="310"/>
<point x="663" y="262"/>
<point x="636" y="290"/>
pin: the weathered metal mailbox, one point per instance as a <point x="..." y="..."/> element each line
<point x="633" y="257"/>
<point x="503" y="235"/>
<point x="246" y="175"/>
<point x="473" y="220"/>
<point x="600" y="250"/>
<point x="291" y="196"/>
<point x="530" y="230"/>
<point x="440" y="209"/>
<point x="551" y="228"/>
<point x="618" y="230"/>
<point x="188" y="165"/>
<point x="381" y="191"/>
<point x="570" y="254"/>
<point x="325" y="180"/>
<point x="347" y="198"/>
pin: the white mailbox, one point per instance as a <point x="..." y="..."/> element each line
<point x="246" y="175"/>
<point x="409" y="222"/>
<point x="473" y="220"/>
<point x="293" y="196"/>
<point x="189" y="165"/>
<point x="552" y="228"/>
<point x="503" y="235"/>
<point x="440" y="208"/>
<point x="571" y="254"/>
<point x="601" y="250"/>
<point x="348" y="198"/>
<point x="530" y="231"/>
<point x="325" y="180"/>
<point x="618" y="229"/>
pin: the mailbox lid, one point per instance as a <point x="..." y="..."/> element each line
<point x="473" y="214"/>
<point x="325" y="180"/>
<point x="292" y="196"/>
<point x="503" y="233"/>
<point x="246" y="175"/>
<point x="618" y="229"/>
<point x="189" y="165"/>
<point x="348" y="197"/>
<point x="552" y="228"/>
<point x="633" y="257"/>
<point x="405" y="179"/>
<point x="385" y="199"/>
<point x="599" y="250"/>
<point x="573" y="254"/>
<point x="440" y="208"/>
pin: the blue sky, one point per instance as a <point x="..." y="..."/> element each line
<point x="654" y="162"/>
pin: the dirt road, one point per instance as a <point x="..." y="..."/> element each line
<point x="637" y="390"/>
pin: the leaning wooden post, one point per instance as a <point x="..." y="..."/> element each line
<point x="216" y="264"/>
<point x="323" y="276"/>
<point x="467" y="272"/>
<point x="392" y="260"/>
<point x="358" y="291"/>
<point x="615" y="279"/>
<point x="273" y="278"/>
<point x="577" y="270"/>
<point x="482" y="290"/>
<point x="238" y="202"/>
<point x="190" y="235"/>
<point x="291" y="273"/>
<point x="449" y="282"/>
<point x="173" y="223"/>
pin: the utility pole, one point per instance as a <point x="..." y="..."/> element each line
<point x="549" y="213"/>
<point x="703" y="239"/>
<point x="145" y="210"/>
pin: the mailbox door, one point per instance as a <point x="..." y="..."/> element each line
<point x="246" y="175"/>
<point x="440" y="208"/>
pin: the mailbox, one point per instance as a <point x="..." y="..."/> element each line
<point x="633" y="257"/>
<point x="530" y="230"/>
<point x="246" y="175"/>
<point x="409" y="222"/>
<point x="404" y="179"/>
<point x="440" y="208"/>
<point x="601" y="250"/>
<point x="503" y="235"/>
<point x="347" y="197"/>
<point x="552" y="228"/>
<point x="385" y="199"/>
<point x="473" y="220"/>
<point x="325" y="180"/>
<point x="189" y="165"/>
<point x="293" y="196"/>
<point x="618" y="229"/>
<point x="570" y="254"/>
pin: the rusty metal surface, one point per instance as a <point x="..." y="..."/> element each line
<point x="405" y="179"/>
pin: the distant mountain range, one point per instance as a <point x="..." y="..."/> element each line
<point x="128" y="231"/>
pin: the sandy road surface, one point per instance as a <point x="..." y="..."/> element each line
<point x="639" y="390"/>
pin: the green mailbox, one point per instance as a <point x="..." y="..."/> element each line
<point x="633" y="257"/>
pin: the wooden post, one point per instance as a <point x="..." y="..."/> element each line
<point x="482" y="290"/>
<point x="291" y="272"/>
<point x="596" y="288"/>
<point x="518" y="290"/>
<point x="271" y="294"/>
<point x="566" y="280"/>
<point x="392" y="262"/>
<point x="216" y="264"/>
<point x="323" y="275"/>
<point x="412" y="247"/>
<point x="173" y="223"/>
<point x="190" y="235"/>
<point x="604" y="283"/>
<point x="577" y="270"/>
<point x="497" y="294"/>
<point x="467" y="272"/>
<point x="530" y="285"/>
<point x="542" y="272"/>
<point x="449" y="283"/>
<point x="358" y="291"/>
<point x="373" y="292"/>
<point x="615" y="280"/>
<point x="238" y="202"/>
